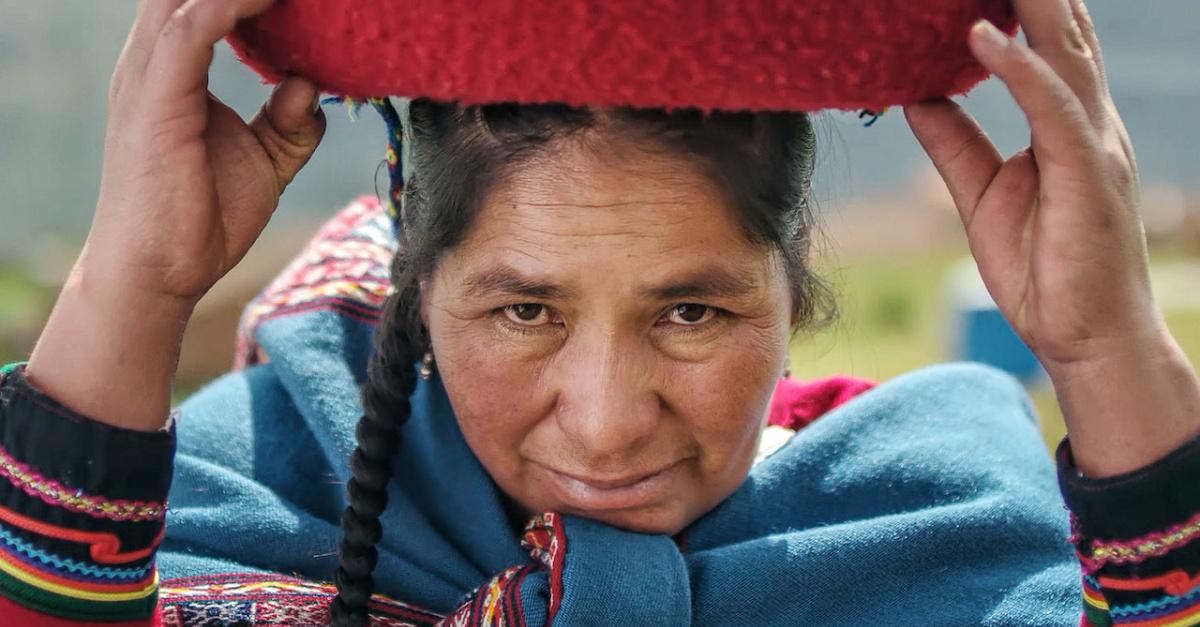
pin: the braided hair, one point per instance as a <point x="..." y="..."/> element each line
<point x="763" y="162"/>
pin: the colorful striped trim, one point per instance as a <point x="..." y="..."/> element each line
<point x="1157" y="607"/>
<point x="62" y="597"/>
<point x="56" y="589"/>
<point x="17" y="615"/>
<point x="269" y="601"/>
<point x="1186" y="618"/>
<point x="1175" y="582"/>
<point x="1094" y="597"/>
<point x="74" y="608"/>
<point x="104" y="548"/>
<point x="54" y="493"/>
<point x="1095" y="607"/>
<point x="28" y="576"/>
<point x="61" y="586"/>
<point x="1139" y="549"/>
<point x="347" y="308"/>
<point x="73" y="579"/>
<point x="16" y="545"/>
<point x="1093" y="617"/>
<point x="1180" y="607"/>
<point x="545" y="540"/>
<point x="498" y="603"/>
<point x="346" y="268"/>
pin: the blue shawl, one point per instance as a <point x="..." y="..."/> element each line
<point x="930" y="500"/>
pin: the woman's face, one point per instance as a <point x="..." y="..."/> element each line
<point x="609" y="338"/>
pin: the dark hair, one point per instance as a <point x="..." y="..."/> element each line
<point x="763" y="163"/>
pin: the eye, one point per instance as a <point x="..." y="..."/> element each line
<point x="529" y="314"/>
<point x="690" y="314"/>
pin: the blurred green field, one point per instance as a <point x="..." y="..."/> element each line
<point x="23" y="306"/>
<point x="894" y="316"/>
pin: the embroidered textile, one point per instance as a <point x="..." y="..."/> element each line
<point x="268" y="601"/>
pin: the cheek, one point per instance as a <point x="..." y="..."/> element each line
<point x="493" y="392"/>
<point x="725" y="400"/>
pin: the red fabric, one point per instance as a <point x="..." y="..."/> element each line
<point x="15" y="615"/>
<point x="798" y="403"/>
<point x="799" y="55"/>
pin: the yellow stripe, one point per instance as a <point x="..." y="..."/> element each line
<point x="1096" y="602"/>
<point x="79" y="594"/>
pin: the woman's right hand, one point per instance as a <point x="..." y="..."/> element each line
<point x="186" y="189"/>
<point x="187" y="185"/>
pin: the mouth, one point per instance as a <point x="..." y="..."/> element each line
<point x="583" y="493"/>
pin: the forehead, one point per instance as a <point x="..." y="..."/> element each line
<point x="612" y="196"/>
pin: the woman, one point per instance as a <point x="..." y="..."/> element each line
<point x="599" y="301"/>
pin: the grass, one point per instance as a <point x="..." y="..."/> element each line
<point x="22" y="309"/>
<point x="894" y="317"/>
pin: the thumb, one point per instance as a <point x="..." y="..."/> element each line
<point x="290" y="126"/>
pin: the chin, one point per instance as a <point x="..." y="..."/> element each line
<point x="667" y="521"/>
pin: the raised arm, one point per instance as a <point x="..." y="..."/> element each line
<point x="187" y="187"/>
<point x="1057" y="233"/>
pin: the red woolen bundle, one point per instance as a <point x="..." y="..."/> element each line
<point x="802" y="55"/>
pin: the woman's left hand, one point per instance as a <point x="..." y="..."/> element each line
<point x="1057" y="234"/>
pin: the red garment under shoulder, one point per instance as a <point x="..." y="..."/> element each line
<point x="796" y="404"/>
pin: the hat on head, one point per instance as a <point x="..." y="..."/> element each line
<point x="795" y="55"/>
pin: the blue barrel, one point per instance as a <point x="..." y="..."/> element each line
<point x="979" y="331"/>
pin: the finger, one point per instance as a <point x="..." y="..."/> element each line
<point x="1087" y="30"/>
<point x="998" y="232"/>
<point x="1047" y="24"/>
<point x="149" y="21"/>
<point x="289" y="126"/>
<point x="1062" y="130"/>
<point x="963" y="154"/>
<point x="1053" y="33"/>
<point x="184" y="48"/>
<point x="151" y="15"/>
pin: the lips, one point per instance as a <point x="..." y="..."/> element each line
<point x="585" y="493"/>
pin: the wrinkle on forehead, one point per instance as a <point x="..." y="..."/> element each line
<point x="583" y="194"/>
<point x="622" y="175"/>
<point x="529" y="226"/>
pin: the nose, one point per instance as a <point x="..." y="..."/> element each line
<point x="607" y="403"/>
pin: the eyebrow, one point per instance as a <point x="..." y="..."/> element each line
<point x="506" y="280"/>
<point x="713" y="282"/>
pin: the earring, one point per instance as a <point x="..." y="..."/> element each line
<point x="787" y="368"/>
<point x="426" y="370"/>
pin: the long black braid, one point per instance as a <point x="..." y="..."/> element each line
<point x="762" y="161"/>
<point x="391" y="380"/>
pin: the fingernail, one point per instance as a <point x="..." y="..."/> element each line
<point x="986" y="33"/>
<point x="316" y="103"/>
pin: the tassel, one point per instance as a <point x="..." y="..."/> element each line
<point x="395" y="151"/>
<point x="874" y="115"/>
